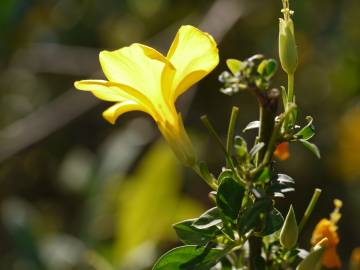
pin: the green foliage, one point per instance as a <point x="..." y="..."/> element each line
<point x="308" y="131"/>
<point x="191" y="234"/>
<point x="254" y="72"/>
<point x="253" y="215"/>
<point x="210" y="218"/>
<point x="189" y="258"/>
<point x="229" y="197"/>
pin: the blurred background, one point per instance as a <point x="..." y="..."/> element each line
<point x="78" y="193"/>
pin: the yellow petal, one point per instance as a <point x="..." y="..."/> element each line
<point x="112" y="113"/>
<point x="115" y="92"/>
<point x="137" y="66"/>
<point x="102" y="90"/>
<point x="194" y="54"/>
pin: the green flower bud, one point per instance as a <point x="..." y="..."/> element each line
<point x="313" y="260"/>
<point x="289" y="232"/>
<point x="287" y="46"/>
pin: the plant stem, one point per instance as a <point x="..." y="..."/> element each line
<point x="309" y="209"/>
<point x="255" y="251"/>
<point x="207" y="178"/>
<point x="290" y="88"/>
<point x="212" y="131"/>
<point x="231" y="129"/>
<point x="274" y="136"/>
<point x="267" y="122"/>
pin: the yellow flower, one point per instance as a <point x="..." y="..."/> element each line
<point x="139" y="78"/>
<point x="327" y="228"/>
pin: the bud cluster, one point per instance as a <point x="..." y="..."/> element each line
<point x="254" y="72"/>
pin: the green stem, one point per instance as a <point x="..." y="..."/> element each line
<point x="274" y="136"/>
<point x="229" y="160"/>
<point x="206" y="177"/>
<point x="212" y="131"/>
<point x="231" y="129"/>
<point x="290" y="88"/>
<point x="267" y="122"/>
<point x="309" y="209"/>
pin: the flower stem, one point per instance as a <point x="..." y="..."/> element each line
<point x="310" y="208"/>
<point x="290" y="88"/>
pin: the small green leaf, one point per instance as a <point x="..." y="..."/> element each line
<point x="257" y="147"/>
<point x="273" y="223"/>
<point x="191" y="235"/>
<point x="307" y="132"/>
<point x="289" y="231"/>
<point x="264" y="176"/>
<point x="229" y="197"/>
<point x="241" y="149"/>
<point x="189" y="258"/>
<point x="227" y="173"/>
<point x="267" y="68"/>
<point x="234" y="65"/>
<point x="251" y="216"/>
<point x="312" y="147"/>
<point x="210" y="218"/>
<point x="252" y="125"/>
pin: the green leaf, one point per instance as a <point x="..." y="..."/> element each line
<point x="312" y="147"/>
<point x="257" y="147"/>
<point x="210" y="218"/>
<point x="189" y="258"/>
<point x="251" y="216"/>
<point x="267" y="68"/>
<point x="234" y="65"/>
<point x="307" y="132"/>
<point x="229" y="197"/>
<point x="191" y="235"/>
<point x="252" y="125"/>
<point x="264" y="176"/>
<point x="273" y="223"/>
<point x="227" y="173"/>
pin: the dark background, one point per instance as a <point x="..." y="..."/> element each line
<point x="78" y="193"/>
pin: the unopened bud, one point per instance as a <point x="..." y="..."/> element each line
<point x="287" y="46"/>
<point x="289" y="232"/>
<point x="313" y="260"/>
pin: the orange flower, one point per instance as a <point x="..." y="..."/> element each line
<point x="282" y="151"/>
<point x="327" y="228"/>
<point x="355" y="259"/>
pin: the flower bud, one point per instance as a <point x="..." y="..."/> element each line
<point x="313" y="260"/>
<point x="287" y="46"/>
<point x="289" y="232"/>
